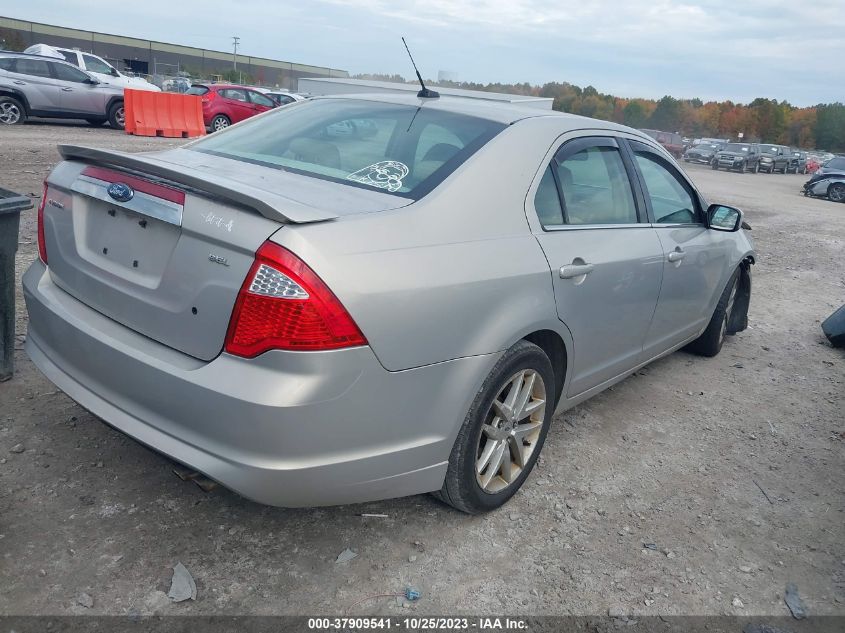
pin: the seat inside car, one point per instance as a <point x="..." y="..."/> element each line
<point x="309" y="150"/>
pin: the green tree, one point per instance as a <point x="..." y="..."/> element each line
<point x="635" y="114"/>
<point x="830" y="127"/>
<point x="667" y="115"/>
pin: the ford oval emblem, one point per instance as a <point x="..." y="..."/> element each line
<point x="120" y="191"/>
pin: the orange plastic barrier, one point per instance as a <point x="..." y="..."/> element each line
<point x="163" y="114"/>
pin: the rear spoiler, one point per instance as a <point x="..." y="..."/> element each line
<point x="269" y="204"/>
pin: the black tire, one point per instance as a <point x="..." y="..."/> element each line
<point x="96" y="122"/>
<point x="711" y="340"/>
<point x="836" y="192"/>
<point x="12" y="111"/>
<point x="714" y="166"/>
<point x="117" y="116"/>
<point x="461" y="488"/>
<point x="220" y="122"/>
<point x="756" y="169"/>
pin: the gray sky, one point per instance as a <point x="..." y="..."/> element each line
<point x="713" y="49"/>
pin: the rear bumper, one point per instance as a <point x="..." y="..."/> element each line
<point x="286" y="428"/>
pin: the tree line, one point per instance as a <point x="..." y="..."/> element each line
<point x="766" y="120"/>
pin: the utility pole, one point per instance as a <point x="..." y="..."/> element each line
<point x="235" y="40"/>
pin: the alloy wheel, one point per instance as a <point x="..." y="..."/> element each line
<point x="220" y="124"/>
<point x="511" y="431"/>
<point x="10" y="113"/>
<point x="120" y="116"/>
<point x="837" y="193"/>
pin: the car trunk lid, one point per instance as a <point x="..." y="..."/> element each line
<point x="168" y="259"/>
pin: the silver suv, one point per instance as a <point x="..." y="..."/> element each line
<point x="36" y="86"/>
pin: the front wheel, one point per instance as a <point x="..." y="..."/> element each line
<point x="836" y="192"/>
<point x="501" y="437"/>
<point x="711" y="340"/>
<point x="117" y="116"/>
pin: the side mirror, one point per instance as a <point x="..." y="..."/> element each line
<point x="92" y="81"/>
<point x="723" y="218"/>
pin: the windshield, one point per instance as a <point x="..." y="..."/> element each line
<point x="737" y="147"/>
<point x="398" y="149"/>
<point x="769" y="149"/>
<point x="708" y="146"/>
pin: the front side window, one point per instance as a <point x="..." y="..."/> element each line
<point x="671" y="200"/>
<point x="595" y="188"/>
<point x="96" y="65"/>
<point x="398" y="149"/>
<point x="34" y="67"/>
<point x="69" y="73"/>
<point x="259" y="99"/>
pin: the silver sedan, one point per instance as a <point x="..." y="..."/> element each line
<point x="312" y="317"/>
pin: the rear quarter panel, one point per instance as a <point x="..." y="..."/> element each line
<point x="455" y="274"/>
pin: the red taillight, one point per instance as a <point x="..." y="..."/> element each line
<point x="283" y="304"/>
<point x="42" y="246"/>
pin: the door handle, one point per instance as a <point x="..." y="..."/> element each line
<point x="676" y="256"/>
<point x="67" y="89"/>
<point x="570" y="271"/>
<point x="20" y="83"/>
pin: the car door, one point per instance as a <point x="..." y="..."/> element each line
<point x="33" y="77"/>
<point x="694" y="258"/>
<point x="79" y="94"/>
<point x="605" y="258"/>
<point x="260" y="103"/>
<point x="237" y="106"/>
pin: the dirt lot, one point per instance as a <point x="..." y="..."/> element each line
<point x="673" y="457"/>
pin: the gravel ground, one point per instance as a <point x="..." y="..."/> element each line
<point x="730" y="469"/>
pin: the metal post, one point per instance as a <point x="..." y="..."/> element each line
<point x="235" y="40"/>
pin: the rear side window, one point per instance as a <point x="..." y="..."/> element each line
<point x="399" y="149"/>
<point x="835" y="163"/>
<point x="595" y="188"/>
<point x="235" y="95"/>
<point x="6" y="63"/>
<point x="70" y="57"/>
<point x="196" y="90"/>
<point x="34" y="67"/>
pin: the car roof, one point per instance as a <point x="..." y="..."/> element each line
<point x="497" y="111"/>
<point x="34" y="56"/>
<point x="223" y="86"/>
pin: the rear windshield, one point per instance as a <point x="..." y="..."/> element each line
<point x="196" y="90"/>
<point x="399" y="149"/>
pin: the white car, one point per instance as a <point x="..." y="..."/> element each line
<point x="94" y="65"/>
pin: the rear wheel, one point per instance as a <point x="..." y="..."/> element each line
<point x="117" y="116"/>
<point x="501" y="436"/>
<point x="711" y="340"/>
<point x="11" y="111"/>
<point x="220" y="122"/>
<point x="836" y="192"/>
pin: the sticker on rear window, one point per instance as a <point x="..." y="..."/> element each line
<point x="386" y="174"/>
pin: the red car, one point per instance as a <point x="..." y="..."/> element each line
<point x="225" y="104"/>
